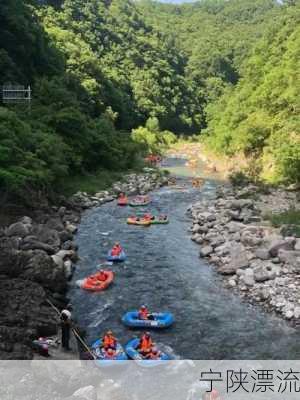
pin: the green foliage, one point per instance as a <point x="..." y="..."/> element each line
<point x="102" y="69"/>
<point x="260" y="115"/>
<point x="289" y="221"/>
<point x="152" y="138"/>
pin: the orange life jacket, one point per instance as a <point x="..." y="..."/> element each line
<point x="145" y="343"/>
<point x="109" y="341"/>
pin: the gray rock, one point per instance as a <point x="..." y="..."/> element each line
<point x="297" y="245"/>
<point x="264" y="272"/>
<point x="234" y="227"/>
<point x="291" y="257"/>
<point x="248" y="277"/>
<point x="242" y="203"/>
<point x="36" y="245"/>
<point x="206" y="251"/>
<point x="297" y="312"/>
<point x="71" y="228"/>
<point x="285" y="244"/>
<point x="18" y="229"/>
<point x="262" y="254"/>
<point x="264" y="294"/>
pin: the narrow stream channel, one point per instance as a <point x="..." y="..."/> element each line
<point x="165" y="272"/>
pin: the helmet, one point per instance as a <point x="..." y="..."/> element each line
<point x="101" y="270"/>
<point x="154" y="350"/>
<point x="109" y="333"/>
<point x="143" y="307"/>
<point x="110" y="351"/>
<point x="147" y="334"/>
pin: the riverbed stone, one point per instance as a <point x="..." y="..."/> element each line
<point x="286" y="244"/>
<point x="264" y="272"/>
<point x="262" y="254"/>
<point x="206" y="251"/>
<point x="234" y="227"/>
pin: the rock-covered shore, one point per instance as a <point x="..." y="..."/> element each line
<point x="38" y="256"/>
<point x="256" y="260"/>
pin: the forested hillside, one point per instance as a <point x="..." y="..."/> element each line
<point x="244" y="59"/>
<point x="102" y="68"/>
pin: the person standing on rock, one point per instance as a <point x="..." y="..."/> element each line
<point x="66" y="323"/>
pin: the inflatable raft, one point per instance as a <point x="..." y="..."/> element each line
<point x="138" y="221"/>
<point x="121" y="257"/>
<point x="160" y="221"/>
<point x="123" y="201"/>
<point x="94" y="284"/>
<point x="101" y="357"/>
<point x="134" y="354"/>
<point x="140" y="201"/>
<point x="159" y="321"/>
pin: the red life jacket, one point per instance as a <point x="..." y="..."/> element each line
<point x="143" y="314"/>
<point x="116" y="250"/>
<point x="102" y="277"/>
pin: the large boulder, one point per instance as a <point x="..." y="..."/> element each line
<point x="42" y="269"/>
<point x="206" y="251"/>
<point x="286" y="244"/>
<point x="23" y="316"/>
<point x="32" y="243"/>
<point x="238" y="260"/>
<point x="264" y="271"/>
<point x="47" y="235"/>
<point x="10" y="260"/>
<point x="291" y="257"/>
<point x="18" y="229"/>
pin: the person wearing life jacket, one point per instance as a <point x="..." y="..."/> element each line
<point x="154" y="354"/>
<point x="145" y="344"/>
<point x="109" y="341"/>
<point x="102" y="276"/>
<point x="116" y="250"/>
<point x="148" y="217"/>
<point x="110" y="354"/>
<point x="143" y="313"/>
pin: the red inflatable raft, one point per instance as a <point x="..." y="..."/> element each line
<point x="96" y="283"/>
<point x="123" y="201"/>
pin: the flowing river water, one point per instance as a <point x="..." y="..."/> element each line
<point x="164" y="271"/>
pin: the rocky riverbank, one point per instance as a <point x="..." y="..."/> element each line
<point x="38" y="256"/>
<point x="256" y="260"/>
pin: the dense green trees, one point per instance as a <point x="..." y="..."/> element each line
<point x="260" y="116"/>
<point x="100" y="69"/>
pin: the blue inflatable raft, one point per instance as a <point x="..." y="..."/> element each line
<point x="133" y="353"/>
<point x="159" y="321"/>
<point x="121" y="257"/>
<point x="102" y="360"/>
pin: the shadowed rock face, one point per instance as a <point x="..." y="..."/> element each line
<point x="23" y="316"/>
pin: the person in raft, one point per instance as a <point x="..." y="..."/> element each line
<point x="109" y="341"/>
<point x="154" y="354"/>
<point x="102" y="276"/>
<point x="116" y="250"/>
<point x="143" y="313"/>
<point x="146" y="344"/>
<point x="148" y="217"/>
<point x="110" y="354"/>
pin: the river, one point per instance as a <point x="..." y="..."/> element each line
<point x="165" y="272"/>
